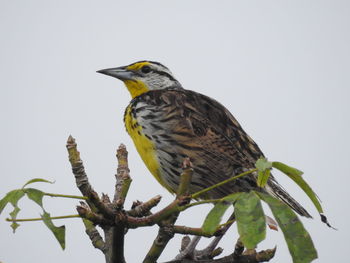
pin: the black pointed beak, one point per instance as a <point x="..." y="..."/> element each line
<point x="120" y="73"/>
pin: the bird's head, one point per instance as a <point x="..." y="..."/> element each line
<point x="143" y="76"/>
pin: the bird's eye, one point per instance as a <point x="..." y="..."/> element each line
<point x="146" y="69"/>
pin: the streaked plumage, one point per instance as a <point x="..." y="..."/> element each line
<point x="168" y="123"/>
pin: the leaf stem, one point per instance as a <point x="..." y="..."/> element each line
<point x="227" y="223"/>
<point x="208" y="201"/>
<point x="199" y="193"/>
<point x="66" y="196"/>
<point x="40" y="219"/>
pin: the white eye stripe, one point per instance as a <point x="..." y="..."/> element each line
<point x="163" y="73"/>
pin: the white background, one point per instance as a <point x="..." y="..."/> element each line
<point x="281" y="67"/>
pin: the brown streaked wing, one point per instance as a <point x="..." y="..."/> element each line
<point x="205" y="131"/>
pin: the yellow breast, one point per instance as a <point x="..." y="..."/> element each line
<point x="144" y="146"/>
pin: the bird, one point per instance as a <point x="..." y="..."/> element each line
<point x="168" y="123"/>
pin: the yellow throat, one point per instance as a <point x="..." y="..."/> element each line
<point x="136" y="87"/>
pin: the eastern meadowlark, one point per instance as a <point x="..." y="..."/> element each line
<point x="168" y="123"/>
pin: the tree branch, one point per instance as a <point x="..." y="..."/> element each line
<point x="236" y="257"/>
<point x="123" y="179"/>
<point x="102" y="211"/>
<point x="185" y="230"/>
<point x="82" y="180"/>
<point x="166" y="231"/>
<point x="114" y="220"/>
<point x="140" y="209"/>
<point x="94" y="235"/>
<point x="115" y="234"/>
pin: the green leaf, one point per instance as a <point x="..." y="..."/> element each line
<point x="3" y="202"/>
<point x="230" y="198"/>
<point x="15" y="212"/>
<point x="263" y="177"/>
<point x="250" y="219"/>
<point x="263" y="164"/>
<point x="13" y="215"/>
<point x="295" y="175"/>
<point x="214" y="217"/>
<point x="288" y="170"/>
<point x="13" y="198"/>
<point x="14" y="226"/>
<point x="264" y="167"/>
<point x="299" y="242"/>
<point x="35" y="195"/>
<point x="59" y="232"/>
<point x="36" y="180"/>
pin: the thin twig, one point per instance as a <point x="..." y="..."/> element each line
<point x="208" y="201"/>
<point x="40" y="219"/>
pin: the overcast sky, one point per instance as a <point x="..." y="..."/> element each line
<point x="281" y="67"/>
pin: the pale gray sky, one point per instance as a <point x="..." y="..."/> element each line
<point x="281" y="67"/>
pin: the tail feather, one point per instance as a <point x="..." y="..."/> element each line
<point x="277" y="191"/>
